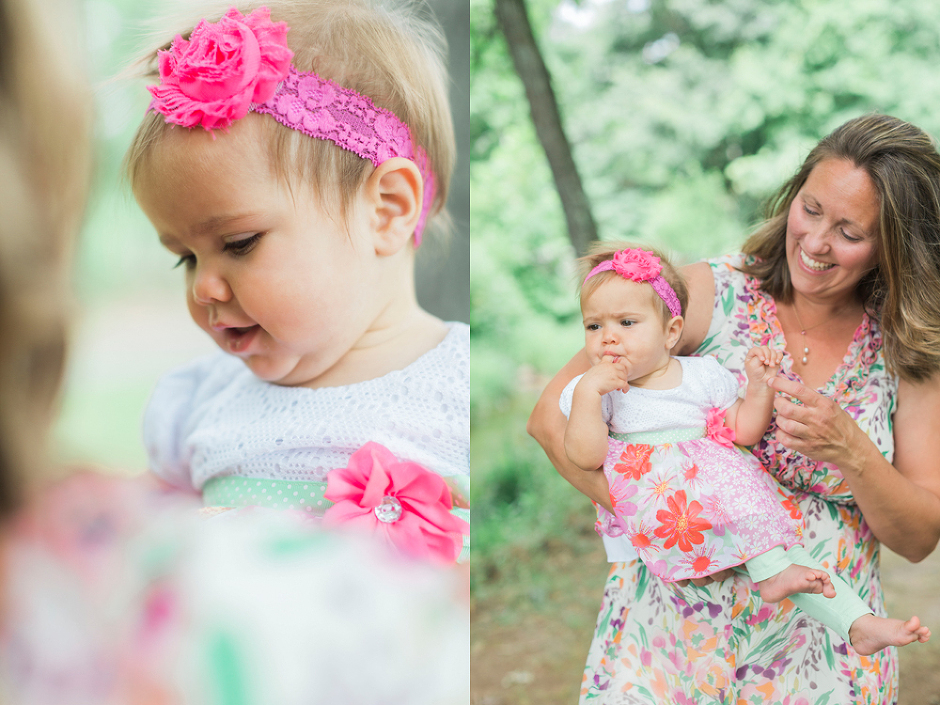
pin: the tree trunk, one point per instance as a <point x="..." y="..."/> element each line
<point x="514" y="23"/>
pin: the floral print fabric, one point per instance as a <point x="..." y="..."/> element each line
<point x="695" y="507"/>
<point x="115" y="594"/>
<point x="658" y="643"/>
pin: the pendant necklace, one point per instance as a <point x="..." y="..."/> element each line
<point x="803" y="328"/>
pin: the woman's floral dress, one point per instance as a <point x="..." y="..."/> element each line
<point x="658" y="643"/>
<point x="115" y="594"/>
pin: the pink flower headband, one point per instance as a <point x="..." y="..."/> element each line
<point x="241" y="63"/>
<point x="640" y="266"/>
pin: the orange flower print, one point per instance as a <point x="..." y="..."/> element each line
<point x="701" y="561"/>
<point x="640" y="536"/>
<point x="679" y="523"/>
<point x="794" y="510"/>
<point x="635" y="460"/>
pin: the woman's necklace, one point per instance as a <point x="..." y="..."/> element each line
<point x="803" y="328"/>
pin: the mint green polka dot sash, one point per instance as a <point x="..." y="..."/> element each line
<point x="304" y="496"/>
<point x="233" y="491"/>
<point x="655" y="438"/>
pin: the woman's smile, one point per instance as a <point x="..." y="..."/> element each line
<point x="814" y="264"/>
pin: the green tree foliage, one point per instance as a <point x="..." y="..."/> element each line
<point x="684" y="116"/>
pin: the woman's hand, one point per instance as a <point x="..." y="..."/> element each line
<point x="718" y="577"/>
<point x="817" y="427"/>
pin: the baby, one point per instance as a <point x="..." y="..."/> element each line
<point x="293" y="158"/>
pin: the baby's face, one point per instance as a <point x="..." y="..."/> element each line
<point x="622" y="320"/>
<point x="270" y="276"/>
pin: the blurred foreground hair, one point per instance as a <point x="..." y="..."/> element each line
<point x="44" y="159"/>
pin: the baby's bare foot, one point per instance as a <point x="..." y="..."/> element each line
<point x="793" y="579"/>
<point x="870" y="633"/>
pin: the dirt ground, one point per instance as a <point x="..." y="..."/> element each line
<point x="530" y="631"/>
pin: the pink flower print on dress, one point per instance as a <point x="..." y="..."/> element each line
<point x="212" y="78"/>
<point x="718" y="515"/>
<point x="404" y="503"/>
<point x="621" y="490"/>
<point x="679" y="523"/>
<point x="716" y="430"/>
<point x="635" y="461"/>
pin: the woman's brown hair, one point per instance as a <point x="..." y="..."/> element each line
<point x="45" y="110"/>
<point x="903" y="291"/>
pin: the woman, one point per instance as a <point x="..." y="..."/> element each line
<point x="845" y="275"/>
<point x="111" y="593"/>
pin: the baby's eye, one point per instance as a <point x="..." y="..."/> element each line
<point x="242" y="247"/>
<point x="626" y="323"/>
<point x="592" y="326"/>
<point x="189" y="261"/>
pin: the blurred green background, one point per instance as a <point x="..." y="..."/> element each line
<point x="129" y="322"/>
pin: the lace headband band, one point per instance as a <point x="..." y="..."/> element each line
<point x="241" y="64"/>
<point x="641" y="266"/>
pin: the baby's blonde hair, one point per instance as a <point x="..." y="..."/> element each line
<point x="391" y="51"/>
<point x="603" y="251"/>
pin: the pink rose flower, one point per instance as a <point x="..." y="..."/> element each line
<point x="213" y="78"/>
<point x="716" y="430"/>
<point x="636" y="264"/>
<point x="403" y="503"/>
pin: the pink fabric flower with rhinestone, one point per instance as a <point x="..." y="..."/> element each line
<point x="636" y="264"/>
<point x="716" y="430"/>
<point x="404" y="503"/>
<point x="213" y="78"/>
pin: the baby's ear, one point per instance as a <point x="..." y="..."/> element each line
<point x="395" y="191"/>
<point x="674" y="331"/>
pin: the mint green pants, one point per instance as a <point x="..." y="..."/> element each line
<point x="837" y="612"/>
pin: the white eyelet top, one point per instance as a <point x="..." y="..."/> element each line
<point x="212" y="417"/>
<point x="705" y="385"/>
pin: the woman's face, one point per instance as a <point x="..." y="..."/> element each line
<point x="832" y="231"/>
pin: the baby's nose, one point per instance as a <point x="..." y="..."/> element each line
<point x="209" y="287"/>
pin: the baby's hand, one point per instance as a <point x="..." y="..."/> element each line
<point x="608" y="374"/>
<point x="762" y="364"/>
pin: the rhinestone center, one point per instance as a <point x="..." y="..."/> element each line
<point x="389" y="510"/>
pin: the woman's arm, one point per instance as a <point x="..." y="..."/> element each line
<point x="698" y="314"/>
<point x="900" y="502"/>
<point x="547" y="426"/>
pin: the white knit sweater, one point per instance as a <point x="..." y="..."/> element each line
<point x="212" y="417"/>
